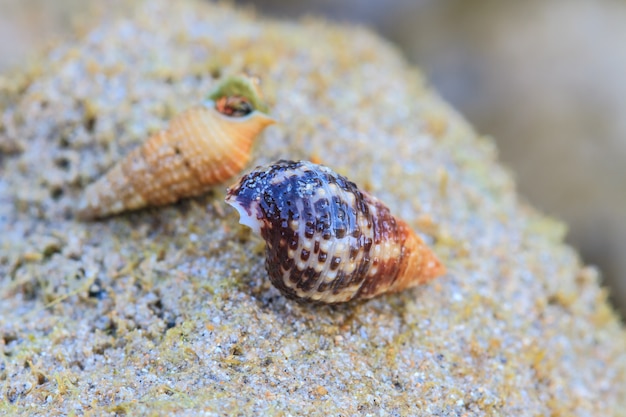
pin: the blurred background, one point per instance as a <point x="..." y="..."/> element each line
<point x="547" y="80"/>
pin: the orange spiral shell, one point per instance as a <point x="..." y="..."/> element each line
<point x="200" y="148"/>
<point x="327" y="241"/>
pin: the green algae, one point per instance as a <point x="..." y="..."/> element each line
<point x="239" y="86"/>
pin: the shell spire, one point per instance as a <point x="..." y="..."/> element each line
<point x="326" y="240"/>
<point x="201" y="147"/>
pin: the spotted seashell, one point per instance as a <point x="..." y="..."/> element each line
<point x="201" y="147"/>
<point x="327" y="241"/>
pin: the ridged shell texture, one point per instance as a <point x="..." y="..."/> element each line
<point x="200" y="148"/>
<point x="327" y="241"/>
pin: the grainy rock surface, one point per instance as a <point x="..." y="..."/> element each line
<point x="169" y="311"/>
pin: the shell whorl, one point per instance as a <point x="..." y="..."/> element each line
<point x="327" y="241"/>
<point x="201" y="147"/>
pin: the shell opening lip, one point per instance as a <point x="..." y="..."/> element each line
<point x="246" y="214"/>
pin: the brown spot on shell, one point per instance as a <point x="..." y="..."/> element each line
<point x="364" y="251"/>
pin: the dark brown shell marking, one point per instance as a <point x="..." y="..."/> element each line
<point x="327" y="241"/>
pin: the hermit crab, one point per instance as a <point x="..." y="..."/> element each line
<point x="201" y="147"/>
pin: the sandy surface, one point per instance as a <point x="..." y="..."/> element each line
<point x="169" y="311"/>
